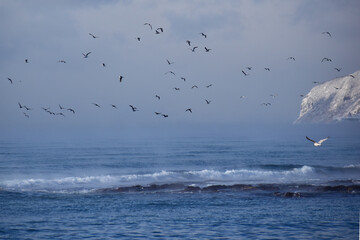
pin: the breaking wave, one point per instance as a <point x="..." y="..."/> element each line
<point x="304" y="175"/>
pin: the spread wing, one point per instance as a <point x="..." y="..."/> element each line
<point x="310" y="139"/>
<point x="323" y="140"/>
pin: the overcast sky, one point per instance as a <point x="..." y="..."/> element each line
<point x="257" y="34"/>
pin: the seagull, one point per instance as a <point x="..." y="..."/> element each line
<point x="20" y="105"/>
<point x="121" y="78"/>
<point x="60" y="114"/>
<point x="93" y="35"/>
<point x="148" y="25"/>
<point x="61" y="107"/>
<point x="134" y="109"/>
<point x="208" y="85"/>
<point x="207" y="49"/>
<point x="207" y="101"/>
<point x="113" y="105"/>
<point x="177" y="89"/>
<point x="204" y="35"/>
<point x="338" y="69"/>
<point x="158" y="30"/>
<point x="169" y="62"/>
<point x="27" y="108"/>
<point x="71" y="110"/>
<point x="188" y="42"/>
<point x="194" y="87"/>
<point x="165" y="115"/>
<point x="291" y="58"/>
<point x="138" y="38"/>
<point x="328" y="33"/>
<point x="103" y="64"/>
<point x="184" y="79"/>
<point x="326" y="59"/>
<point x="10" y="80"/>
<point x="46" y="109"/>
<point x="267" y="69"/>
<point x="248" y="68"/>
<point x="188" y="110"/>
<point x="171" y="73"/>
<point x="26" y="115"/>
<point x="317" y="144"/>
<point x="97" y="105"/>
<point x="26" y="60"/>
<point x="244" y="73"/>
<point x="86" y="54"/>
<point x="157" y="113"/>
<point x="157" y="96"/>
<point x="193" y="49"/>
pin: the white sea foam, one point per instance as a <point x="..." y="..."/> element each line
<point x="232" y="176"/>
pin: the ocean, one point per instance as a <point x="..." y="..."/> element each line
<point x="180" y="188"/>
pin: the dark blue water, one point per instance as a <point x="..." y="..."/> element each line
<point x="180" y="189"/>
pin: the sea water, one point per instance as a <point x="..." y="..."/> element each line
<point x="181" y="188"/>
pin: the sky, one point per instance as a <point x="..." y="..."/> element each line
<point x="241" y="34"/>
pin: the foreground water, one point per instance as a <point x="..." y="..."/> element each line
<point x="180" y="189"/>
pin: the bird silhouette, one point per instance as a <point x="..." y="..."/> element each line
<point x="157" y="113"/>
<point x="138" y="38"/>
<point x="157" y="96"/>
<point x="103" y="64"/>
<point x="26" y="60"/>
<point x="326" y="59"/>
<point x="208" y="86"/>
<point x="207" y="101"/>
<point x="317" y="144"/>
<point x="338" y="69"/>
<point x="20" y="105"/>
<point x="61" y="107"/>
<point x="10" y="80"/>
<point x="267" y="69"/>
<point x="93" y="36"/>
<point x="188" y="42"/>
<point x="134" y="109"/>
<point x="207" y="49"/>
<point x="86" y="55"/>
<point x="328" y="33"/>
<point x="26" y="115"/>
<point x="165" y="115"/>
<point x="244" y="72"/>
<point x="248" y="68"/>
<point x="121" y="78"/>
<point x="204" y="35"/>
<point x="168" y="61"/>
<point x="148" y="25"/>
<point x="159" y="30"/>
<point x="97" y="105"/>
<point x="177" y="89"/>
<point x="188" y="110"/>
<point x="71" y="110"/>
<point x="194" y="86"/>
<point x="113" y="105"/>
<point x="184" y="79"/>
<point x="171" y="73"/>
<point x="193" y="49"/>
<point x="291" y="58"/>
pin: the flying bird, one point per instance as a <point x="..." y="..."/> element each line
<point x="326" y="59"/>
<point x="338" y="69"/>
<point x="10" y="80"/>
<point x="204" y="35"/>
<point x="171" y="73"/>
<point x="97" y="105"/>
<point x="103" y="64"/>
<point x="328" y="33"/>
<point x="113" y="105"/>
<point x="194" y="87"/>
<point x="157" y="96"/>
<point x="177" y="89"/>
<point x="61" y="114"/>
<point x="121" y="78"/>
<point x="138" y="38"/>
<point x="291" y="58"/>
<point x="26" y="115"/>
<point x="148" y="25"/>
<point x="184" y="79"/>
<point x="248" y="68"/>
<point x="165" y="115"/>
<point x="26" y="60"/>
<point x="188" y="110"/>
<point x="267" y="69"/>
<point x="27" y="108"/>
<point x="207" y="101"/>
<point x="208" y="85"/>
<point x="188" y="42"/>
<point x="193" y="49"/>
<point x="71" y="110"/>
<point x="207" y="49"/>
<point x="93" y="35"/>
<point x="157" y="113"/>
<point x="169" y="62"/>
<point x="134" y="109"/>
<point x="159" y="30"/>
<point x="20" y="105"/>
<point x="266" y="104"/>
<point x="317" y="144"/>
<point x="244" y="73"/>
<point x="61" y="107"/>
<point x="86" y="55"/>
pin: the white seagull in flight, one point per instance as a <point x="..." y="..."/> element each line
<point x="317" y="144"/>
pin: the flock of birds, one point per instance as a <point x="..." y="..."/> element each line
<point x="159" y="30"/>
